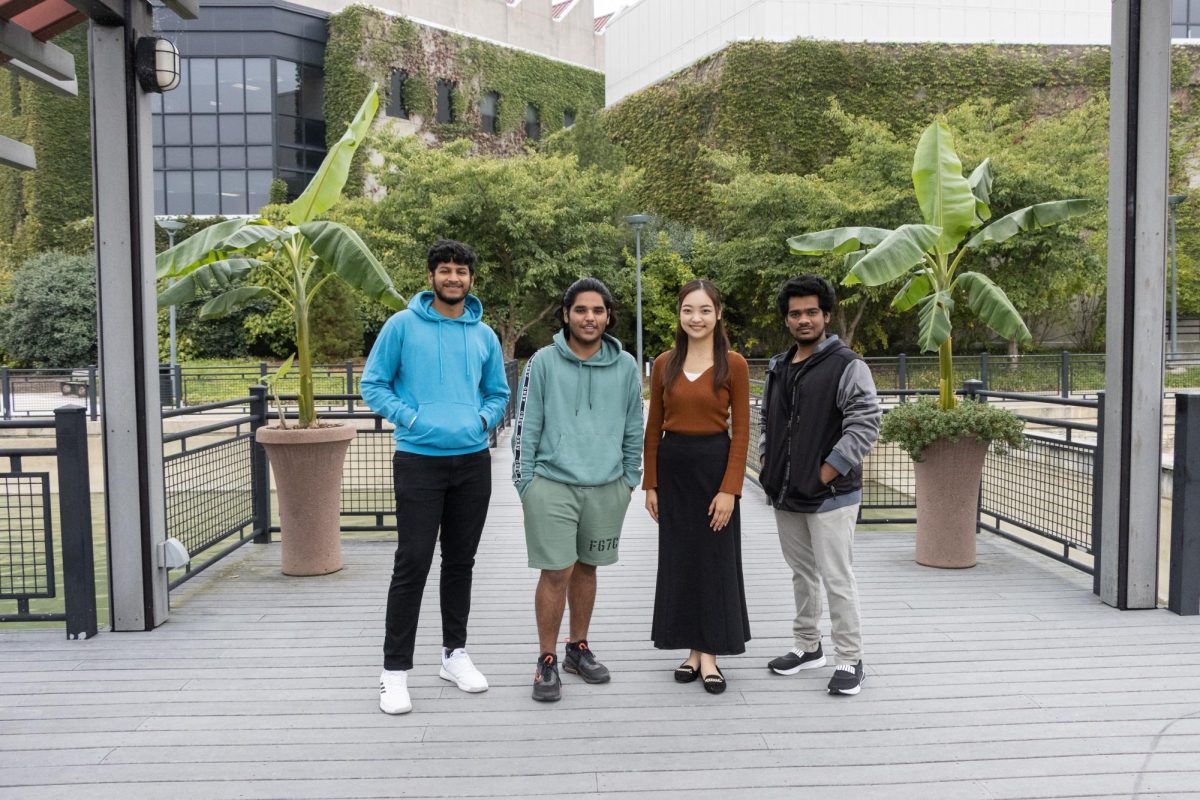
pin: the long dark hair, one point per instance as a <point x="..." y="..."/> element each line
<point x="720" y="338"/>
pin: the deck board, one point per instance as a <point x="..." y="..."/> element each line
<point x="1009" y="680"/>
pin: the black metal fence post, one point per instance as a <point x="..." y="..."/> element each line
<point x="75" y="517"/>
<point x="6" y="392"/>
<point x="902" y="375"/>
<point x="1064" y="374"/>
<point x="972" y="389"/>
<point x="177" y="377"/>
<point x="983" y="370"/>
<point x="350" y="386"/>
<point x="93" y="393"/>
<point x="260" y="469"/>
<point x="1184" y="581"/>
<point x="1097" y="492"/>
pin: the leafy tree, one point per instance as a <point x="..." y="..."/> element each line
<point x="51" y="319"/>
<point x="537" y="222"/>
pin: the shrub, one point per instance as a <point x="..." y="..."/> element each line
<point x="50" y="320"/>
<point x="915" y="426"/>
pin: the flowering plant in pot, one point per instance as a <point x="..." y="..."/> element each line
<point x="293" y="263"/>
<point x="947" y="439"/>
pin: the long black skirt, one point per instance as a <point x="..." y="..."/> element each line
<point x="700" y="599"/>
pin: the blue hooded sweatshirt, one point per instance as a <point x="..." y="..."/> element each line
<point x="437" y="379"/>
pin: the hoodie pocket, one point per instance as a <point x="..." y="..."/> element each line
<point x="448" y="426"/>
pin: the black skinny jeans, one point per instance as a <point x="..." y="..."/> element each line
<point x="449" y="493"/>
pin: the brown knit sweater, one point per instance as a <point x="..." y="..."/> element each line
<point x="691" y="407"/>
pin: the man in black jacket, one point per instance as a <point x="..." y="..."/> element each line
<point x="821" y="419"/>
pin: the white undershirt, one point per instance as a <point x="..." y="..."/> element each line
<point x="692" y="376"/>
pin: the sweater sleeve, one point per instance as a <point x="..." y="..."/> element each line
<point x="739" y="404"/>
<point x="380" y="371"/>
<point x="494" y="383"/>
<point x="654" y="424"/>
<point x="527" y="425"/>
<point x="861" y="417"/>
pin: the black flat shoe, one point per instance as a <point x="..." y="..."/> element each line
<point x="686" y="673"/>
<point x="715" y="684"/>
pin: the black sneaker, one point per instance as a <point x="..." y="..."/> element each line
<point x="582" y="661"/>
<point x="795" y="660"/>
<point x="847" y="679"/>
<point x="547" y="686"/>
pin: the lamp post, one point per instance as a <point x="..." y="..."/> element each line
<point x="171" y="226"/>
<point x="1173" y="202"/>
<point x="638" y="221"/>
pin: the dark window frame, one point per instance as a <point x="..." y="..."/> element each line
<point x="490" y="123"/>
<point x="396" y="106"/>
<point x="533" y="122"/>
<point x="444" y="113"/>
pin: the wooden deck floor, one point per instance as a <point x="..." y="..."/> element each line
<point x="1009" y="680"/>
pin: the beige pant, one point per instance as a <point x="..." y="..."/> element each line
<point x="820" y="547"/>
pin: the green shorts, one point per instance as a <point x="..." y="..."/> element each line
<point x="565" y="524"/>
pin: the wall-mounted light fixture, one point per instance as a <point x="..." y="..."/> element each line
<point x="158" y="64"/>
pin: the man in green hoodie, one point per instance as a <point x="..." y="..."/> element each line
<point x="577" y="446"/>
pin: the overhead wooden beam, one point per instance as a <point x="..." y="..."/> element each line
<point x="188" y="9"/>
<point x="18" y="43"/>
<point x="105" y="12"/>
<point x="12" y="8"/>
<point x="16" y="154"/>
<point x="64" y="88"/>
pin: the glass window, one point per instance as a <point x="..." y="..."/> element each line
<point x="295" y="182"/>
<point x="259" y="188"/>
<point x="396" y="106"/>
<point x="233" y="157"/>
<point x="233" y="128"/>
<point x="155" y="102"/>
<point x="1194" y="11"/>
<point x="179" y="192"/>
<point x="489" y="108"/>
<point x="232" y="90"/>
<point x="314" y="133"/>
<point x="291" y="158"/>
<point x="258" y="128"/>
<point x="158" y="158"/>
<point x="179" y="158"/>
<point x="177" y="129"/>
<point x="204" y="158"/>
<point x="204" y="85"/>
<point x="568" y="118"/>
<point x="533" y="127"/>
<point x="313" y="159"/>
<point x="288" y="131"/>
<point x="445" y="104"/>
<point x="258" y="85"/>
<point x="1193" y="31"/>
<point x="1179" y="12"/>
<point x="287" y="87"/>
<point x="160" y="193"/>
<point x="156" y="126"/>
<point x="259" y="156"/>
<point x="204" y="129"/>
<point x="176" y="101"/>
<point x="208" y="192"/>
<point x="1179" y="31"/>
<point x="312" y="92"/>
<point x="233" y="192"/>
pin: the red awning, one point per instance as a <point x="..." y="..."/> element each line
<point x="45" y="19"/>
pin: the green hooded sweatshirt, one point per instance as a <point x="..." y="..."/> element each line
<point x="578" y="422"/>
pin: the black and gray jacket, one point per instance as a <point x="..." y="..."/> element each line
<point x="828" y="413"/>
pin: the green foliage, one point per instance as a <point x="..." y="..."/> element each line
<point x="664" y="272"/>
<point x="915" y="426"/>
<point x="278" y="193"/>
<point x="537" y="223"/>
<point x="589" y="142"/>
<point x="50" y="320"/>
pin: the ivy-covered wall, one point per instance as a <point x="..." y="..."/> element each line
<point x="766" y="101"/>
<point x="365" y="46"/>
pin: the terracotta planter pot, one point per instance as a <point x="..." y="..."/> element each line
<point x="307" y="463"/>
<point x="948" y="502"/>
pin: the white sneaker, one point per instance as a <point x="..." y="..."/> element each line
<point x="457" y="667"/>
<point x="393" y="692"/>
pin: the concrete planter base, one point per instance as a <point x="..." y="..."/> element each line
<point x="948" y="482"/>
<point x="307" y="463"/>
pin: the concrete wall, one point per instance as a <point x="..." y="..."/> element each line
<point x="656" y="38"/>
<point x="527" y="25"/>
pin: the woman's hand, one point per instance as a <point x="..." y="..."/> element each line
<point x="720" y="510"/>
<point x="652" y="503"/>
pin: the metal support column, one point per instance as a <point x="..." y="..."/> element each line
<point x="75" y="520"/>
<point x="1184" y="581"/>
<point x="132" y="420"/>
<point x="1137" y="221"/>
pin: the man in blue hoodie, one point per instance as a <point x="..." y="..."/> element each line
<point x="436" y="372"/>
<point x="577" y="446"/>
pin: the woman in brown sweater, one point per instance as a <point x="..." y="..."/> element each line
<point x="693" y="477"/>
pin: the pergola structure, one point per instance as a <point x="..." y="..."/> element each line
<point x="124" y="190"/>
<point x="132" y="423"/>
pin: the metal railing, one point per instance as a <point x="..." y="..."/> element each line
<point x="29" y="571"/>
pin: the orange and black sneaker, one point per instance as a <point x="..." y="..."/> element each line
<point x="582" y="661"/>
<point x="547" y="686"/>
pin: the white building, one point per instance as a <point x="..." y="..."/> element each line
<point x="653" y="39"/>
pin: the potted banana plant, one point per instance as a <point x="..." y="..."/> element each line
<point x="947" y="439"/>
<point x="291" y="264"/>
